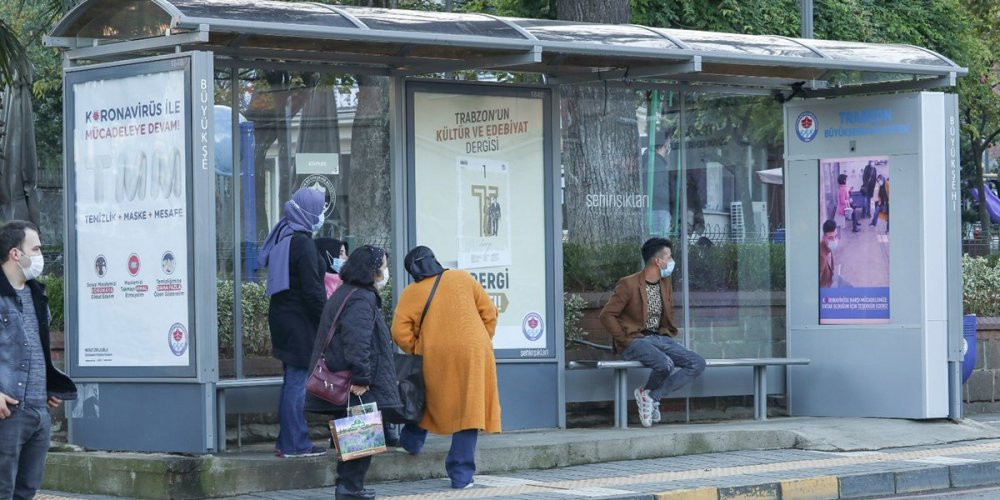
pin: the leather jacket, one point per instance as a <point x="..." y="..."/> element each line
<point x="13" y="344"/>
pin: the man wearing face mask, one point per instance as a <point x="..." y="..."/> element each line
<point x="640" y="317"/>
<point x="827" y="245"/>
<point x="28" y="381"/>
<point x="295" y="285"/>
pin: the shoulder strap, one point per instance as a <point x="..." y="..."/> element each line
<point x="429" y="297"/>
<point x="333" y="326"/>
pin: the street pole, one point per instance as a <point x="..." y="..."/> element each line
<point x="807" y="18"/>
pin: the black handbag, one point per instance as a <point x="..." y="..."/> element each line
<point x="410" y="375"/>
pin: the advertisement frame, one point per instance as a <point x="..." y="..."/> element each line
<point x="74" y="76"/>
<point x="544" y="94"/>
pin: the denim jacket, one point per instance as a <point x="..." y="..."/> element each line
<point x="13" y="344"/>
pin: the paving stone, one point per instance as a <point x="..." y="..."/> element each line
<point x="986" y="473"/>
<point x="927" y="479"/>
<point x="867" y="485"/>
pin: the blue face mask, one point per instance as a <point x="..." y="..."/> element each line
<point x="319" y="224"/>
<point x="667" y="271"/>
<point x="337" y="264"/>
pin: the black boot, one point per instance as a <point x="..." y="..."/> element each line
<point x="343" y="494"/>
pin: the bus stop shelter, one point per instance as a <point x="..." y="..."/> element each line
<point x="154" y="231"/>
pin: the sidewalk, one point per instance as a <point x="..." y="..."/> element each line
<point x="837" y="457"/>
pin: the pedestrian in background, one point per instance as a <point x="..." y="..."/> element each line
<point x="333" y="252"/>
<point x="456" y="340"/>
<point x="295" y="286"/>
<point x="361" y="343"/>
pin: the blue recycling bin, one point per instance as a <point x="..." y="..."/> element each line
<point x="969" y="333"/>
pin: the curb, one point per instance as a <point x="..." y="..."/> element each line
<point x="875" y="484"/>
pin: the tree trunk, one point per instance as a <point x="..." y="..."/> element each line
<point x="370" y="200"/>
<point x="600" y="146"/>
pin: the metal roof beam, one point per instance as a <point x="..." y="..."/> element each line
<point x="534" y="56"/>
<point x="300" y="66"/>
<point x="875" y="88"/>
<point x="755" y="81"/>
<point x="310" y="56"/>
<point x="675" y="69"/>
<point x="142" y="45"/>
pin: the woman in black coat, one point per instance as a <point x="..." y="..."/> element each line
<point x="295" y="286"/>
<point x="362" y="344"/>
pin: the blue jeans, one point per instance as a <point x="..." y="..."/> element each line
<point x="461" y="460"/>
<point x="662" y="354"/>
<point x="293" y="435"/>
<point x="24" y="442"/>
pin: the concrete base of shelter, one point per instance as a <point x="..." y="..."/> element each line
<point x="255" y="468"/>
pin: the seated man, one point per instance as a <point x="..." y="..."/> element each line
<point x="640" y="317"/>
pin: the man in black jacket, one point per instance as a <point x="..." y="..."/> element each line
<point x="28" y="381"/>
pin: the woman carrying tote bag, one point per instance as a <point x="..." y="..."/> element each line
<point x="456" y="341"/>
<point x="361" y="344"/>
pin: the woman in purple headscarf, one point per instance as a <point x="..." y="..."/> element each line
<point x="295" y="285"/>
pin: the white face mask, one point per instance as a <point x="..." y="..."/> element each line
<point x="667" y="271"/>
<point x="384" y="281"/>
<point x="35" y="268"/>
<point x="832" y="245"/>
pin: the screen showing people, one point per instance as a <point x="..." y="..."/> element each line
<point x="854" y="240"/>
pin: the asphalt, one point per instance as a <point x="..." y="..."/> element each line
<point x="778" y="458"/>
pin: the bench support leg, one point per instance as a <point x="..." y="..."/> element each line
<point x="760" y="392"/>
<point x="621" y="398"/>
<point x="220" y="431"/>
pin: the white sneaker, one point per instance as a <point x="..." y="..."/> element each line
<point x="645" y="406"/>
<point x="656" y="412"/>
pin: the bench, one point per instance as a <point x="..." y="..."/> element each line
<point x="250" y="400"/>
<point x="621" y="378"/>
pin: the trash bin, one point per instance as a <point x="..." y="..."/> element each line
<point x="968" y="345"/>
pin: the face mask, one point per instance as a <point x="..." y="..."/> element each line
<point x="832" y="245"/>
<point x="319" y="224"/>
<point x="34" y="269"/>
<point x="384" y="281"/>
<point x="337" y="264"/>
<point x="667" y="271"/>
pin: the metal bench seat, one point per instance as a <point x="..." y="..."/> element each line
<point x="621" y="368"/>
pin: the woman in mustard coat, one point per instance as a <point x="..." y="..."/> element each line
<point x="456" y="341"/>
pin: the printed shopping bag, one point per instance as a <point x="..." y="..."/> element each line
<point x="360" y="433"/>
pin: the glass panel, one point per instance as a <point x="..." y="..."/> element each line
<point x="734" y="43"/>
<point x="606" y="200"/>
<point x="264" y="11"/>
<point x="735" y="220"/>
<point x="433" y="22"/>
<point x="224" y="222"/>
<point x="299" y="129"/>
<point x="877" y="53"/>
<point x="117" y="19"/>
<point x="608" y="34"/>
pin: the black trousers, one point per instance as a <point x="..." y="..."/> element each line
<point x="351" y="474"/>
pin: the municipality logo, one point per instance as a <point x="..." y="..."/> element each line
<point x="533" y="326"/>
<point x="806" y="126"/>
<point x="177" y="339"/>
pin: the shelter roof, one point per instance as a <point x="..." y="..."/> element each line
<point x="405" y="42"/>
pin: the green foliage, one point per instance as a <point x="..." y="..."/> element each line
<point x="256" y="333"/>
<point x="27" y="22"/>
<point x="573" y="306"/>
<point x="586" y="267"/>
<point x="54" y="288"/>
<point x="981" y="286"/>
<point x="387" y="305"/>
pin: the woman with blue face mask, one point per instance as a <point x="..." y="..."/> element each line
<point x="295" y="286"/>
<point x="333" y="253"/>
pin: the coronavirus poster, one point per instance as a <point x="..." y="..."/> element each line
<point x="479" y="164"/>
<point x="129" y="180"/>
<point x="854" y="240"/>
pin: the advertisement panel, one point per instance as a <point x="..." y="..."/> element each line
<point x="478" y="164"/>
<point x="129" y="171"/>
<point x="854" y="240"/>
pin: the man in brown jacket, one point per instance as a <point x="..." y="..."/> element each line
<point x="640" y="317"/>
